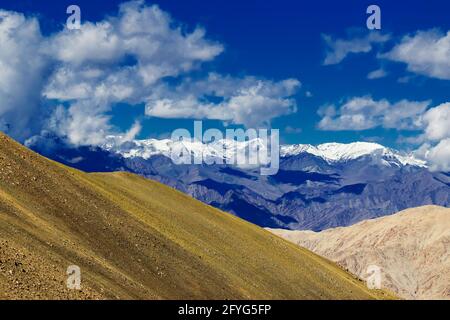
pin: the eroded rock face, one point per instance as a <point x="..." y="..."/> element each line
<point x="412" y="249"/>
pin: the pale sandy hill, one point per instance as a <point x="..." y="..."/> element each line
<point x="412" y="248"/>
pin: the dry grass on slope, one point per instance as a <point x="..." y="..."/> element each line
<point x="137" y="239"/>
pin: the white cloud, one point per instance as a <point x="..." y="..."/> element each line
<point x="118" y="84"/>
<point x="115" y="60"/>
<point x="80" y="124"/>
<point x="437" y="122"/>
<point x="125" y="58"/>
<point x="146" y="33"/>
<point x="437" y="156"/>
<point x="339" y="49"/>
<point x="436" y="138"/>
<point x="249" y="100"/>
<point x="21" y="65"/>
<point x="404" y="79"/>
<point x="132" y="132"/>
<point x="89" y="69"/>
<point x="92" y="75"/>
<point x="426" y="53"/>
<point x="377" y="74"/>
<point x="93" y="43"/>
<point x="362" y="113"/>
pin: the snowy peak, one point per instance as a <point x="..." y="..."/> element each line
<point x="137" y="148"/>
<point x="337" y="152"/>
<point x="225" y="149"/>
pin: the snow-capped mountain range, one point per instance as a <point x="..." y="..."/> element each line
<point x="330" y="152"/>
<point x="337" y="152"/>
<point x="148" y="148"/>
<point x="316" y="187"/>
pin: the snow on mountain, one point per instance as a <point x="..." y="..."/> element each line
<point x="227" y="149"/>
<point x="336" y="152"/>
<point x="221" y="149"/>
<point x="315" y="188"/>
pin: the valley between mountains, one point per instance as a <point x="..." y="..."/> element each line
<point x="134" y="238"/>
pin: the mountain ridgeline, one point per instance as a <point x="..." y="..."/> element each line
<point x="134" y="238"/>
<point x="316" y="188"/>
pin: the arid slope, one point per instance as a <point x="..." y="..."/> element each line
<point x="137" y="239"/>
<point x="412" y="248"/>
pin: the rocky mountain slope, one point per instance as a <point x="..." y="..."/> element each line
<point x="137" y="239"/>
<point x="412" y="248"/>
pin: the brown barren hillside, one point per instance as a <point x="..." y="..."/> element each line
<point x="412" y="248"/>
<point x="137" y="239"/>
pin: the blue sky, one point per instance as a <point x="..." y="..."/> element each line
<point x="278" y="40"/>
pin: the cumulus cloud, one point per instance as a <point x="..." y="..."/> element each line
<point x="437" y="122"/>
<point x="377" y="74"/>
<point x="147" y="34"/>
<point x="339" y="49"/>
<point x="436" y="138"/>
<point x="125" y="58"/>
<point x="81" y="124"/>
<point x="22" y="65"/>
<point x="438" y="156"/>
<point x="362" y="113"/>
<point x="425" y="52"/>
<point x="118" y="59"/>
<point x="249" y="101"/>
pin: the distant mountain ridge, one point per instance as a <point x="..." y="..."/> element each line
<point x="315" y="188"/>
